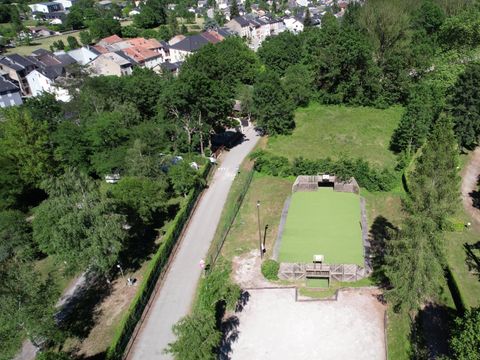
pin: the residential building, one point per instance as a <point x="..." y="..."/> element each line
<point x="84" y="55"/>
<point x="9" y="93"/>
<point x="111" y="63"/>
<point x="144" y="57"/>
<point x="17" y="67"/>
<point x="46" y="7"/>
<point x="255" y="29"/>
<point x="50" y="68"/>
<point x="293" y="24"/>
<point x="180" y="50"/>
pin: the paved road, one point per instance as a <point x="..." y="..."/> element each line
<point x="174" y="299"/>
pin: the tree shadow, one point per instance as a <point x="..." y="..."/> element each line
<point x="473" y="258"/>
<point x="431" y="332"/>
<point x="229" y="327"/>
<point x="475" y="195"/>
<point x="141" y="244"/>
<point x="79" y="313"/>
<point x="99" y="356"/>
<point x="380" y="233"/>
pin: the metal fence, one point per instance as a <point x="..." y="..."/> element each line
<point x="227" y="221"/>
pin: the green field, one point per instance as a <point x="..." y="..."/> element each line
<point x="331" y="131"/>
<point x="323" y="222"/>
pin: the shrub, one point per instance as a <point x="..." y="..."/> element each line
<point x="270" y="269"/>
<point x="367" y="176"/>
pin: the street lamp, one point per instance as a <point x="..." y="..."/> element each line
<point x="121" y="271"/>
<point x="259" y="230"/>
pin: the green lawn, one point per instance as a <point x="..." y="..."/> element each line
<point x="466" y="278"/>
<point x="42" y="43"/>
<point x="323" y="131"/>
<point x="323" y="222"/>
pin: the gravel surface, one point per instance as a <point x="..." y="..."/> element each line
<point x="274" y="326"/>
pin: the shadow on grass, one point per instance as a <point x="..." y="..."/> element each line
<point x="380" y="233"/>
<point x="79" y="314"/>
<point x="473" y="258"/>
<point x="431" y="332"/>
<point x="475" y="195"/>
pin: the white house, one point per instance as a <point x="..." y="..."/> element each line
<point x="294" y="25"/>
<point x="42" y="80"/>
<point x="46" y="7"/>
<point x="83" y="55"/>
<point x="66" y="4"/>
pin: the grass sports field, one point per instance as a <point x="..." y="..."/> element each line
<point x="323" y="222"/>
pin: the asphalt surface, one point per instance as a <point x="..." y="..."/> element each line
<point x="174" y="299"/>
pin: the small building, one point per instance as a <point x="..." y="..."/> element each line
<point x="9" y="93"/>
<point x="111" y="63"/>
<point x="46" y="7"/>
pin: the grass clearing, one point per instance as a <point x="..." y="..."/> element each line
<point x="271" y="192"/>
<point x="323" y="222"/>
<point x="332" y="131"/>
<point x="42" y="43"/>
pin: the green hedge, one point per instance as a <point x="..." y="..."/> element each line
<point x="155" y="269"/>
<point x="367" y="175"/>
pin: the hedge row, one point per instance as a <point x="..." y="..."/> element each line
<point x="154" y="271"/>
<point x="367" y="176"/>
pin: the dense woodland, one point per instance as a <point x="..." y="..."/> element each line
<point x="54" y="157"/>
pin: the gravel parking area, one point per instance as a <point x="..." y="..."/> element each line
<point x="273" y="325"/>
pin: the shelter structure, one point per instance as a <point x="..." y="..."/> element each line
<point x="313" y="182"/>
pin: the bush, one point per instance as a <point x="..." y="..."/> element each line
<point x="367" y="176"/>
<point x="270" y="269"/>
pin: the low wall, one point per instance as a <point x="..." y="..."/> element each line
<point x="338" y="272"/>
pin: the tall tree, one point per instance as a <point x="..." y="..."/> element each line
<point x="422" y="110"/>
<point x="464" y="106"/>
<point x="26" y="142"/>
<point x="234" y="12"/>
<point x="434" y="185"/>
<point x="273" y="108"/>
<point x="307" y="21"/>
<point x="414" y="270"/>
<point x="77" y="225"/>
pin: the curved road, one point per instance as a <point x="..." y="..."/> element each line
<point x="174" y="299"/>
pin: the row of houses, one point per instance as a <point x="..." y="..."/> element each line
<point x="45" y="71"/>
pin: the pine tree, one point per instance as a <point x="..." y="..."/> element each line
<point x="248" y="6"/>
<point x="414" y="272"/>
<point x="422" y="110"/>
<point x="464" y="106"/>
<point x="307" y="22"/>
<point x="234" y="12"/>
<point x="434" y="183"/>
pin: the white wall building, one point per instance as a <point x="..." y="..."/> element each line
<point x="41" y="82"/>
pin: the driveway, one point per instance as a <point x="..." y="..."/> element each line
<point x="174" y="299"/>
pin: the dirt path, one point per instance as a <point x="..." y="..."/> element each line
<point x="469" y="184"/>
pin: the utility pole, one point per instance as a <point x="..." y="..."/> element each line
<point x="259" y="230"/>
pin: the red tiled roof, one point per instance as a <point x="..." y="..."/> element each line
<point x="100" y="49"/>
<point x="145" y="43"/>
<point x="140" y="54"/>
<point x="212" y="36"/>
<point x="111" y="40"/>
